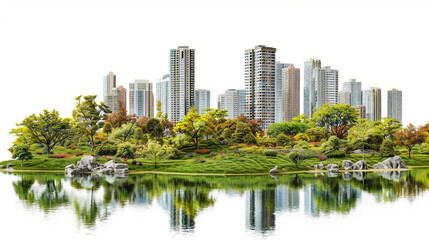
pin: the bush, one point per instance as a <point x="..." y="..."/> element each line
<point x="175" y="153"/>
<point x="295" y="158"/>
<point x="301" y="137"/>
<point x="61" y="155"/>
<point x="241" y="145"/>
<point x="191" y="155"/>
<point x="227" y="134"/>
<point x="301" y="145"/>
<point x="322" y="157"/>
<point x="79" y="154"/>
<point x="125" y="151"/>
<point x="333" y="144"/>
<point x="203" y="151"/>
<point x="72" y="147"/>
<point x="387" y="148"/>
<point x="134" y="162"/>
<point x="318" y="133"/>
<point x="106" y="149"/>
<point x="249" y="138"/>
<point x="270" y="153"/>
<point x="282" y="140"/>
<point x="337" y="154"/>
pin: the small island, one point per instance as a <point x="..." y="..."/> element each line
<point x="211" y="143"/>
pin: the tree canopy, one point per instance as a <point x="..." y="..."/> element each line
<point x="338" y="118"/>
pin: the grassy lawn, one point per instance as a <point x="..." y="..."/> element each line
<point x="222" y="159"/>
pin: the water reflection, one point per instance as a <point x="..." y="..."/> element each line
<point x="94" y="198"/>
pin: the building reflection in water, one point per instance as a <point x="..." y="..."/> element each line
<point x="260" y="208"/>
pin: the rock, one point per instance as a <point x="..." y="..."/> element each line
<point x="121" y="171"/>
<point x="347" y="165"/>
<point x="360" y="165"/>
<point x="88" y="161"/>
<point x="121" y="166"/>
<point x="395" y="162"/>
<point x="71" y="166"/>
<point x="88" y="164"/>
<point x="275" y="170"/>
<point x="1" y="166"/>
<point x="367" y="151"/>
<point x="9" y="165"/>
<point x="318" y="166"/>
<point x="110" y="164"/>
<point x="333" y="168"/>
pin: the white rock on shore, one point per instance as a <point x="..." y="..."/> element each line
<point x="88" y="164"/>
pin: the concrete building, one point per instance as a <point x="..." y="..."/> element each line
<point x="260" y="84"/>
<point x="361" y="110"/>
<point x="279" y="115"/>
<point x="310" y="86"/>
<point x="371" y="99"/>
<point x="344" y="97"/>
<point x="121" y="92"/>
<point x="182" y="82"/>
<point x="291" y="93"/>
<point x="234" y="102"/>
<point x="143" y="99"/>
<point x="131" y="88"/>
<point x="110" y="98"/>
<point x="327" y="86"/>
<point x="163" y="93"/>
<point x="221" y="101"/>
<point x="394" y="104"/>
<point x="202" y="100"/>
<point x="355" y="89"/>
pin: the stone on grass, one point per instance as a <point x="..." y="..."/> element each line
<point x="275" y="170"/>
<point x="9" y="165"/>
<point x="395" y="162"/>
<point x="333" y="168"/>
<point x="318" y="166"/>
<point x="89" y="164"/>
<point x="360" y="165"/>
<point x="347" y="165"/>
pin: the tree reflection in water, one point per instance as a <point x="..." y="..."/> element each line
<point x="94" y="197"/>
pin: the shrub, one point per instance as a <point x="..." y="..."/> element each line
<point x="296" y="158"/>
<point x="38" y="152"/>
<point x="249" y="138"/>
<point x="134" y="162"/>
<point x="72" y="147"/>
<point x="322" y="157"/>
<point x="282" y="140"/>
<point x="318" y="133"/>
<point x="387" y="148"/>
<point x="102" y="138"/>
<point x="203" y="151"/>
<point x="227" y="134"/>
<point x="51" y="156"/>
<point x="271" y="153"/>
<point x="140" y="164"/>
<point x="79" y="154"/>
<point x="110" y="158"/>
<point x="333" y="144"/>
<point x="191" y="155"/>
<point x="61" y="155"/>
<point x="301" y="137"/>
<point x="107" y="149"/>
<point x="337" y="154"/>
<point x="125" y="151"/>
<point x="301" y="145"/>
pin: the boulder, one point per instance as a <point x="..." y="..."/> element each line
<point x="121" y="166"/>
<point x="9" y="165"/>
<point x="1" y="166"/>
<point x="333" y="168"/>
<point x="110" y="164"/>
<point x="360" y="165"/>
<point x="395" y="162"/>
<point x="89" y="164"/>
<point x="88" y="161"/>
<point x="275" y="170"/>
<point x="318" y="166"/>
<point x="347" y="165"/>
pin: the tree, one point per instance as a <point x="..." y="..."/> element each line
<point x="227" y="134"/>
<point x="124" y="132"/>
<point x="125" y="151"/>
<point x="48" y="128"/>
<point x="362" y="132"/>
<point x="156" y="153"/>
<point x="387" y="148"/>
<point x="387" y="127"/>
<point x="107" y="128"/>
<point x="287" y="128"/>
<point x="117" y="120"/>
<point x="158" y="109"/>
<point x="241" y="132"/>
<point x="332" y="145"/>
<point x="256" y="127"/>
<point x="21" y="152"/>
<point x="213" y="118"/>
<point x="22" y="134"/>
<point x="89" y="115"/>
<point x="191" y="125"/>
<point x="154" y="128"/>
<point x="316" y="134"/>
<point x="296" y="158"/>
<point x="282" y="140"/>
<point x="409" y="137"/>
<point x="337" y="118"/>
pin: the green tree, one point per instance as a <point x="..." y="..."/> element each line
<point x="125" y="151"/>
<point x="241" y="131"/>
<point x="89" y="115"/>
<point x="282" y="140"/>
<point x="287" y="128"/>
<point x="213" y="119"/>
<point x="21" y="152"/>
<point x="296" y="158"/>
<point x="156" y="152"/>
<point x="48" y="128"/>
<point x="387" y="127"/>
<point x="316" y="134"/>
<point x="192" y="126"/>
<point x="154" y="128"/>
<point x="337" y="118"/>
<point x="332" y="145"/>
<point x="387" y="148"/>
<point x="227" y="134"/>
<point x="22" y="134"/>
<point x="158" y="109"/>
<point x="107" y="128"/>
<point x="124" y="132"/>
<point x="362" y="131"/>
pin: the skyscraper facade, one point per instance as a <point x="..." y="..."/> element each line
<point x="163" y="93"/>
<point x="122" y="97"/>
<point x="143" y="98"/>
<point x="394" y="104"/>
<point x="260" y="87"/>
<point x="110" y="98"/>
<point x="355" y="89"/>
<point x="131" y="110"/>
<point x="371" y="99"/>
<point x="234" y="102"/>
<point x="326" y="80"/>
<point x="361" y="110"/>
<point x="310" y="86"/>
<point x="279" y="115"/>
<point x="202" y="100"/>
<point x="344" y="97"/>
<point x="221" y="101"/>
<point x="291" y="92"/>
<point x="182" y="82"/>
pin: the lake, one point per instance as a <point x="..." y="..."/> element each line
<point x="353" y="205"/>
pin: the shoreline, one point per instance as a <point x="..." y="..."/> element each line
<point x="225" y="174"/>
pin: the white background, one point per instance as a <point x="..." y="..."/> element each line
<point x="53" y="51"/>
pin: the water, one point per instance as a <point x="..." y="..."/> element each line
<point x="385" y="205"/>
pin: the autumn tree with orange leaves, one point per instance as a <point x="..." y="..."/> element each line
<point x="410" y="136"/>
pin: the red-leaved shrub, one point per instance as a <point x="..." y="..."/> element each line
<point x="203" y="151"/>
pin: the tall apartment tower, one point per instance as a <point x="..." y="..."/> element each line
<point x="110" y="98"/>
<point x="371" y="99"/>
<point x="361" y="110"/>
<point x="260" y="84"/>
<point x="327" y="86"/>
<point x="121" y="92"/>
<point x="202" y="100"/>
<point x="182" y="82"/>
<point x="221" y="101"/>
<point x="143" y="104"/>
<point x="310" y="96"/>
<point x="394" y="104"/>
<point x="279" y="115"/>
<point x="355" y="89"/>
<point x="131" y="110"/>
<point x="163" y="93"/>
<point x="234" y="102"/>
<point x="344" y="97"/>
<point x="291" y="92"/>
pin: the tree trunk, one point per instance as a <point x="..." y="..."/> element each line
<point x="409" y="153"/>
<point x="22" y="162"/>
<point x="92" y="143"/>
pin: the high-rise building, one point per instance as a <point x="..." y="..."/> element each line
<point x="112" y="101"/>
<point x="260" y="84"/>
<point x="310" y="86"/>
<point x="234" y="102"/>
<point x="182" y="82"/>
<point x="291" y="92"/>
<point x="163" y="93"/>
<point x="131" y="110"/>
<point x="121" y="92"/>
<point x="327" y="86"/>
<point x="355" y="89"/>
<point x="109" y="98"/>
<point x="143" y="98"/>
<point x="371" y="99"/>
<point x="221" y="101"/>
<point x="394" y="104"/>
<point x="361" y="110"/>
<point x="344" y="97"/>
<point x="202" y="100"/>
<point x="279" y="115"/>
